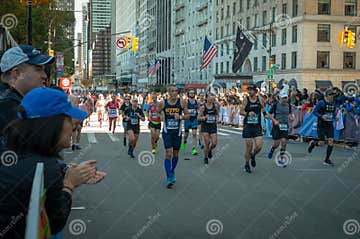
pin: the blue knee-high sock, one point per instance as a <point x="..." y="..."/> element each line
<point x="174" y="163"/>
<point x="167" y="164"/>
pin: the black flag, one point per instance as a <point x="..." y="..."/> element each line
<point x="241" y="50"/>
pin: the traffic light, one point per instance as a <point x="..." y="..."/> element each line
<point x="351" y="40"/>
<point x="128" y="41"/>
<point x="135" y="44"/>
<point x="346" y="37"/>
<point x="51" y="53"/>
<point x="271" y="61"/>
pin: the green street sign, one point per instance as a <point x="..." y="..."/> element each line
<point x="270" y="74"/>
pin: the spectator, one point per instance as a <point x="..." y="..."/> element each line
<point x="23" y="69"/>
<point x="43" y="128"/>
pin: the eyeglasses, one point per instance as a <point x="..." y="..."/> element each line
<point x="127" y="99"/>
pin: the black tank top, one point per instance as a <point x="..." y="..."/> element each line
<point x="171" y="124"/>
<point x="211" y="113"/>
<point x="256" y="108"/>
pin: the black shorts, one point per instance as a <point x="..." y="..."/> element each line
<point x="279" y="134"/>
<point x="172" y="140"/>
<point x="209" y="128"/>
<point x="135" y="129"/>
<point x="252" y="131"/>
<point x="154" y="126"/>
<point x="325" y="132"/>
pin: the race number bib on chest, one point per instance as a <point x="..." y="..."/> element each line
<point x="211" y="119"/>
<point x="172" y="124"/>
<point x="330" y="116"/>
<point x="253" y="119"/>
<point x="134" y="121"/>
<point x="283" y="127"/>
<point x="112" y="113"/>
<point x="192" y="112"/>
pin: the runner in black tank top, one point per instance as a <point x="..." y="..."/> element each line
<point x="201" y="100"/>
<point x="209" y="116"/>
<point x="252" y="109"/>
<point x="174" y="110"/>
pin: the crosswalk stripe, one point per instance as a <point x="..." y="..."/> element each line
<point x="113" y="137"/>
<point x="219" y="133"/>
<point x="231" y="131"/>
<point x="91" y="138"/>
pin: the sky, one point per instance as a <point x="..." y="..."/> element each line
<point x="78" y="21"/>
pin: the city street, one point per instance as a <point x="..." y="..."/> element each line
<point x="304" y="200"/>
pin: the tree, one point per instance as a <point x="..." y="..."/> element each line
<point x="62" y="23"/>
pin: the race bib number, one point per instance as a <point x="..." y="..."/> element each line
<point x="172" y="124"/>
<point x="134" y="121"/>
<point x="192" y="112"/>
<point x="211" y="119"/>
<point x="330" y="117"/>
<point x="153" y="114"/>
<point x="112" y="113"/>
<point x="283" y="127"/>
<point x="253" y="119"/>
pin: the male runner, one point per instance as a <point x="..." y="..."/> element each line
<point x="325" y="112"/>
<point x="100" y="108"/>
<point x="280" y="113"/>
<point x="252" y="108"/>
<point x="209" y="116"/>
<point x="123" y="107"/>
<point x="201" y="102"/>
<point x="154" y="122"/>
<point x="175" y="110"/>
<point x="191" y="123"/>
<point x="112" y="108"/>
<point x="133" y="115"/>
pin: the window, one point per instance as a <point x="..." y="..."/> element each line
<point x="256" y="20"/>
<point x="227" y="67"/>
<point x="283" y="61"/>
<point x="255" y="43"/>
<point x="227" y="29"/>
<point x="256" y="3"/>
<point x="350" y="7"/>
<point x="234" y="28"/>
<point x="295" y="8"/>
<point x="349" y="60"/>
<point x="241" y="5"/>
<point x="283" y="37"/>
<point x="221" y="67"/>
<point x="273" y="14"/>
<point x="222" y="32"/>
<point x="323" y="59"/>
<point x="234" y="8"/>
<point x="222" y="13"/>
<point x="324" y="7"/>
<point x="293" y="60"/>
<point x="255" y="64"/>
<point x="227" y="49"/>
<point x="217" y="68"/>
<point x="222" y="50"/>
<point x="264" y="63"/>
<point x="284" y="8"/>
<point x="248" y="22"/>
<point x="264" y="18"/>
<point x="273" y="40"/>
<point x="264" y="40"/>
<point x="248" y="4"/>
<point x="228" y="11"/>
<point x="217" y="33"/>
<point x="323" y="33"/>
<point x="294" y="34"/>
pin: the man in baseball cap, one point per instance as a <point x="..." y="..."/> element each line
<point x="23" y="69"/>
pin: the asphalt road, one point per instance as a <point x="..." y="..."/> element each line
<point x="304" y="200"/>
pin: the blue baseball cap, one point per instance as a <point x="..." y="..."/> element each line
<point x="23" y="54"/>
<point x="45" y="102"/>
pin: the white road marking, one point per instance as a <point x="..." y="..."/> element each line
<point x="91" y="138"/>
<point x="230" y="131"/>
<point x="113" y="137"/>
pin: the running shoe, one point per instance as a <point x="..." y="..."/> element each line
<point x="281" y="164"/>
<point x="206" y="161"/>
<point x="247" y="168"/>
<point x="153" y="151"/>
<point x="328" y="163"/>
<point x="78" y="147"/>
<point x="270" y="154"/>
<point x="253" y="162"/>
<point x="172" y="178"/>
<point x="110" y="129"/>
<point x="210" y="154"/>
<point x="183" y="146"/>
<point x="311" y="146"/>
<point x="156" y="145"/>
<point x="73" y="147"/>
<point x="169" y="183"/>
<point x="194" y="151"/>
<point x="124" y="141"/>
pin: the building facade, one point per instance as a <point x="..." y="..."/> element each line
<point x="101" y="59"/>
<point x="301" y="35"/>
<point x="100" y="14"/>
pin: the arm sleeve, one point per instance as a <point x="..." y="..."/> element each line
<point x="318" y="106"/>
<point x="57" y="202"/>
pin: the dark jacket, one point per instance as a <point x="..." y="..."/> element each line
<point x="10" y="99"/>
<point x="15" y="189"/>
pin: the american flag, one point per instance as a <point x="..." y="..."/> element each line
<point x="152" y="69"/>
<point x="209" y="53"/>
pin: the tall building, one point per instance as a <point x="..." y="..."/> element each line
<point x="301" y="35"/>
<point x="66" y="5"/>
<point x="100" y="14"/>
<point x="101" y="60"/>
<point x="165" y="30"/>
<point x="85" y="39"/>
<point x="192" y="21"/>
